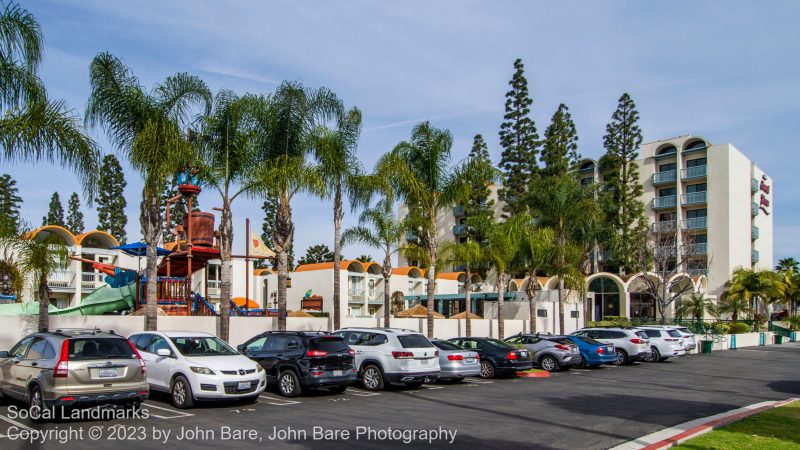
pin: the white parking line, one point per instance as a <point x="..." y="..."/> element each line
<point x="279" y="401"/>
<point x="478" y="382"/>
<point x="13" y="422"/>
<point x="362" y="394"/>
<point x="179" y="414"/>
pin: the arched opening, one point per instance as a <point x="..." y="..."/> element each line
<point x="695" y="145"/>
<point x="54" y="232"/>
<point x="97" y="239"/>
<point x="607" y="297"/>
<point x="667" y="150"/>
<point x="642" y="302"/>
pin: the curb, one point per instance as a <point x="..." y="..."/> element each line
<point x="681" y="433"/>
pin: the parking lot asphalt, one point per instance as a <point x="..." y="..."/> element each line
<point x="588" y="409"/>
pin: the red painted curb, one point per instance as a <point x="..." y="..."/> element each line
<point x="533" y="374"/>
<point x="710" y="425"/>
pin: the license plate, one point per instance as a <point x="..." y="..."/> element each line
<point x="424" y="362"/>
<point x="108" y="373"/>
<point x="337" y="373"/>
<point x="610" y="349"/>
<point x="470" y="360"/>
<point x="243" y="385"/>
<point x="524" y="354"/>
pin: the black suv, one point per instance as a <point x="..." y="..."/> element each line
<point x="298" y="360"/>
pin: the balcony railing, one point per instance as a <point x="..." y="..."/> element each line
<point x="61" y="279"/>
<point x="668" y="201"/>
<point x="92" y="280"/>
<point x="356" y="295"/>
<point x="694" y="198"/>
<point x="754" y="185"/>
<point x="460" y="230"/>
<point x="694" y="172"/>
<point x="666" y="250"/>
<point x="754" y="256"/>
<point x="695" y="223"/>
<point x="754" y="209"/>
<point x="458" y="211"/>
<point x="695" y="149"/>
<point x="668" y="176"/>
<point x="663" y="226"/>
<point x="754" y="233"/>
<point x="698" y="249"/>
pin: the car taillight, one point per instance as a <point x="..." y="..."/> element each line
<point x="455" y="357"/>
<point x="317" y="373"/>
<point x="138" y="356"/>
<point x="351" y="353"/>
<point x="436" y="353"/>
<point x="599" y="350"/>
<point x="316" y="353"/>
<point x="512" y="355"/>
<point x="637" y="341"/>
<point x="402" y="355"/>
<point x="562" y="347"/>
<point x="61" y="369"/>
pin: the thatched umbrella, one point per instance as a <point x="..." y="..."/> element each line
<point x="298" y="314"/>
<point x="417" y="312"/>
<point x="463" y="315"/>
<point x="141" y="311"/>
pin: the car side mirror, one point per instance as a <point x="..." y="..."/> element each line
<point x="164" y="352"/>
<point x="4" y="354"/>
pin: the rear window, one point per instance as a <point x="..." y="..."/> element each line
<point x="674" y="333"/>
<point x="100" y="348"/>
<point x="444" y="345"/>
<point x="684" y="330"/>
<point x="563" y="341"/>
<point x="497" y="343"/>
<point x="328" y="344"/>
<point x="643" y="335"/>
<point x="414" y="341"/>
<point x="653" y="333"/>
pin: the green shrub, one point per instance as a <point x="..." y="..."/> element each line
<point x="739" y="328"/>
<point x="611" y="321"/>
<point x="720" y="328"/>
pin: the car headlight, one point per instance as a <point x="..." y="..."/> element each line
<point x="259" y="368"/>
<point x="202" y="370"/>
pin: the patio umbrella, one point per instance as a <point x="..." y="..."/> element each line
<point x="417" y="312"/>
<point x="139" y="249"/>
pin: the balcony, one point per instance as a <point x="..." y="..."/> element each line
<point x="754" y="185"/>
<point x="754" y="209"/>
<point x="61" y="279"/>
<point x="458" y="211"/>
<point x="664" y="226"/>
<point x="460" y="230"/>
<point x="665" y="250"/>
<point x="698" y="249"/>
<point x="356" y="295"/>
<point x="695" y="223"/>
<point x="694" y="198"/>
<point x="754" y="256"/>
<point x="92" y="280"/>
<point x="695" y="149"/>
<point x="668" y="201"/>
<point x="694" y="172"/>
<point x="214" y="288"/>
<point x="668" y="176"/>
<point x="754" y="233"/>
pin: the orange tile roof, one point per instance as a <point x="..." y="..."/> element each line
<point x="325" y="265"/>
<point x="449" y="275"/>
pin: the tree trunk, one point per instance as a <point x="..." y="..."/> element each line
<point x="282" y="240"/>
<point x="151" y="229"/>
<point x="433" y="249"/>
<point x="283" y="274"/>
<point x="225" y="250"/>
<point x="387" y="294"/>
<point x="44" y="303"/>
<point x="501" y="291"/>
<point x="338" y="214"/>
<point x="560" y="306"/>
<point x="531" y="291"/>
<point x="468" y="300"/>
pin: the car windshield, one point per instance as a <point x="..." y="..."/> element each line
<point x="674" y="333"/>
<point x="100" y="348"/>
<point x="497" y="343"/>
<point x="589" y="340"/>
<point x="202" y="346"/>
<point x="414" y="341"/>
<point x="444" y="345"/>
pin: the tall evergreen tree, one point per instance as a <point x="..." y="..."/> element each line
<point x="177" y="211"/>
<point x="319" y="253"/>
<point x="520" y="143"/>
<point x="55" y="215"/>
<point x="479" y="208"/>
<point x="624" y="211"/>
<point x="74" y="214"/>
<point x="10" y="202"/>
<point x="560" y="149"/>
<point x="110" y="199"/>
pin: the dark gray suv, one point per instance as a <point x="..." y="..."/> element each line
<point x="549" y="352"/>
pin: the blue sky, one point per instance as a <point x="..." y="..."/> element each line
<point x="723" y="70"/>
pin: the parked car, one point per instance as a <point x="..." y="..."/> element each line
<point x="299" y="361"/>
<point x="593" y="353"/>
<point x="497" y="357"/>
<point x="549" y="352"/>
<point x="456" y="362"/>
<point x="73" y="368"/>
<point x="193" y="366"/>
<point x="689" y="338"/>
<point x="391" y="355"/>
<point x="630" y="344"/>
<point x="664" y="343"/>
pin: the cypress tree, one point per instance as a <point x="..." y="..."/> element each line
<point x="110" y="199"/>
<point x="10" y="202"/>
<point x="479" y="208"/>
<point x="55" y="215"/>
<point x="624" y="211"/>
<point x="560" y="149"/>
<point x="74" y="214"/>
<point x="520" y="143"/>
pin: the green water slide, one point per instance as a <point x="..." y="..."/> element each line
<point x="104" y="300"/>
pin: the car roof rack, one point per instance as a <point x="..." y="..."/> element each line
<point x="81" y="331"/>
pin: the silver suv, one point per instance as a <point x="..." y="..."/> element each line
<point x="664" y="343"/>
<point x="391" y="355"/>
<point x="630" y="343"/>
<point x="73" y="368"/>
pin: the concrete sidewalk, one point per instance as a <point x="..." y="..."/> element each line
<point x="678" y="434"/>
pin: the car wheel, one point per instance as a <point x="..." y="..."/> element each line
<point x="622" y="358"/>
<point x="288" y="384"/>
<point x="337" y="389"/>
<point x="548" y="363"/>
<point x="581" y="365"/>
<point x="653" y="356"/>
<point x="487" y="369"/>
<point x="372" y="378"/>
<point x="36" y="404"/>
<point x="181" y="392"/>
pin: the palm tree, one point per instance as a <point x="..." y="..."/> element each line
<point x="734" y="305"/>
<point x="753" y="285"/>
<point x="536" y="251"/>
<point x="469" y="254"/>
<point x="335" y="152"/>
<point x="695" y="306"/>
<point x="32" y="126"/>
<point x="785" y="264"/>
<point x="146" y="128"/>
<point x="788" y="288"/>
<point x="227" y="161"/>
<point x="501" y="248"/>
<point x="379" y="228"/>
<point x="420" y="173"/>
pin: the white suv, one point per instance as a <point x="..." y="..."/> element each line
<point x="391" y="355"/>
<point x="664" y="343"/>
<point x="629" y="343"/>
<point x="689" y="339"/>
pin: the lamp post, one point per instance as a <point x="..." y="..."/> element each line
<point x="188" y="186"/>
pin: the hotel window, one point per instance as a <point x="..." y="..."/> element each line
<point x="667" y="167"/>
<point x="701" y="239"/>
<point x="700" y="187"/>
<point x="667" y="192"/>
<point x="666" y="217"/>
<point x="696" y="213"/>
<point x="696" y="162"/>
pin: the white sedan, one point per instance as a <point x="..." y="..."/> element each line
<point x="197" y="366"/>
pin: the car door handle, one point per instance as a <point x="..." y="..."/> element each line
<point x="359" y="351"/>
<point x="34" y="364"/>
